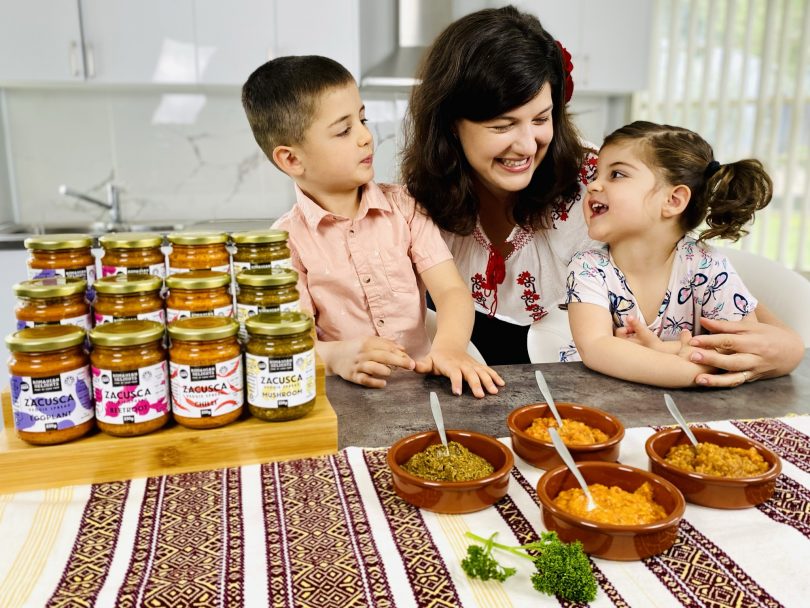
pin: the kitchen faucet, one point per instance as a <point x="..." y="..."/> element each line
<point x="113" y="203"/>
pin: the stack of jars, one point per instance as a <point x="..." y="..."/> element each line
<point x="130" y="383"/>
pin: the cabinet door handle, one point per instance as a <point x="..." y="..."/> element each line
<point x="73" y="54"/>
<point x="90" y="59"/>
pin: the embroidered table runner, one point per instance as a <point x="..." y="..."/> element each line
<point x="329" y="532"/>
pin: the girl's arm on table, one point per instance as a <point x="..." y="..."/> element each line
<point x="454" y="321"/>
<point x="600" y="350"/>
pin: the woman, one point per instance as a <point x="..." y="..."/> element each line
<point x="494" y="158"/>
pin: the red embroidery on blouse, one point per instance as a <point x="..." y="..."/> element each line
<point x="485" y="286"/>
<point x="562" y="207"/>
<point x="530" y="296"/>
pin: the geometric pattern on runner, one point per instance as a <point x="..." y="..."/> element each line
<point x="89" y="562"/>
<point x="789" y="505"/>
<point x="315" y="524"/>
<point x="524" y="532"/>
<point x="698" y="573"/>
<point x="787" y="441"/>
<point x="189" y="546"/>
<point x="425" y="568"/>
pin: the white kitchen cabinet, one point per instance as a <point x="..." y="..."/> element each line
<point x="40" y="41"/>
<point x="139" y="41"/>
<point x="603" y="38"/>
<point x="233" y="38"/>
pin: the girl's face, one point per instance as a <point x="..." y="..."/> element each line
<point x="625" y="198"/>
<point x="505" y="151"/>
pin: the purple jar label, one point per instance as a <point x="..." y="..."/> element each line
<point x="52" y="403"/>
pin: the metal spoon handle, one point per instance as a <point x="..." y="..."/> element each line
<point x="541" y="382"/>
<point x="438" y="418"/>
<point x="676" y="414"/>
<point x="562" y="450"/>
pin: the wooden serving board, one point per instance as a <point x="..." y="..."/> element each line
<point x="98" y="457"/>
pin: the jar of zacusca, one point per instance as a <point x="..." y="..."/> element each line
<point x="132" y="253"/>
<point x="198" y="293"/>
<point x="63" y="255"/>
<point x="129" y="377"/>
<point x="205" y="367"/>
<point x="280" y="365"/>
<point x="198" y="251"/>
<point x="126" y="297"/>
<point x="52" y="301"/>
<point x="271" y="290"/>
<point x="50" y="384"/>
<point x="260" y="249"/>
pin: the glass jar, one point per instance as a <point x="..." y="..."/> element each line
<point x="129" y="377"/>
<point x="260" y="249"/>
<point x="270" y="290"/>
<point x="52" y="301"/>
<point x="132" y="253"/>
<point x="124" y="297"/>
<point x="198" y="251"/>
<point x="63" y="255"/>
<point x="205" y="367"/>
<point x="50" y="384"/>
<point x="280" y="366"/>
<point x="198" y="293"/>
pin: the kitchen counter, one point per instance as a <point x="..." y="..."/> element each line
<point x="373" y="417"/>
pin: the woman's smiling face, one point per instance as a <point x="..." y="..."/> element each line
<point x="505" y="151"/>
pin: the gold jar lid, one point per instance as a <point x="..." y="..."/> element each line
<point x="197" y="238"/>
<point x="58" y="241"/>
<point x="119" y="284"/>
<point x="50" y="287"/>
<point x="198" y="279"/>
<point x="130" y="240"/>
<point x="283" y="324"/>
<point x="126" y="333"/>
<point x="44" y="338"/>
<point x="198" y="329"/>
<point x="259" y="236"/>
<point x="267" y="277"/>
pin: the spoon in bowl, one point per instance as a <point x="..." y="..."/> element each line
<point x="563" y="452"/>
<point x="676" y="414"/>
<point x="541" y="382"/>
<point x="439" y="420"/>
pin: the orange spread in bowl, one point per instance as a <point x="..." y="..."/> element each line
<point x="613" y="505"/>
<point x="573" y="432"/>
<point x="720" y="461"/>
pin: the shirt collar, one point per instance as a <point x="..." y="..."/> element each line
<point x="371" y="197"/>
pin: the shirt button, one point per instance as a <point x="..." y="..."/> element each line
<point x="367" y="280"/>
<point x="351" y="231"/>
<point x="381" y="322"/>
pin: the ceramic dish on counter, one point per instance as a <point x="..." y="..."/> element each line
<point x="711" y="490"/>
<point x="609" y="541"/>
<point x="542" y="454"/>
<point x="451" y="496"/>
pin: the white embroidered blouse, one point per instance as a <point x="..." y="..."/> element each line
<point x="536" y="268"/>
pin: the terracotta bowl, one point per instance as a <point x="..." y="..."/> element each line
<point x="606" y="540"/>
<point x="451" y="496"/>
<point x="542" y="454"/>
<point x="709" y="490"/>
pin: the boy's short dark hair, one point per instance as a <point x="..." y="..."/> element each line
<point x="281" y="97"/>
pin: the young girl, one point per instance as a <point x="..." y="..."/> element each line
<point x="634" y="304"/>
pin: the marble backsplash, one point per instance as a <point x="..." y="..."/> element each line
<point x="186" y="156"/>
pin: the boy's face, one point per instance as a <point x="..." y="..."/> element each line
<point x="337" y="152"/>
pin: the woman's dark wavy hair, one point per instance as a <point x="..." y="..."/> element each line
<point x="725" y="196"/>
<point x="479" y="67"/>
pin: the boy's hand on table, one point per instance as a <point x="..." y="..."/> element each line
<point x="459" y="366"/>
<point x="367" y="361"/>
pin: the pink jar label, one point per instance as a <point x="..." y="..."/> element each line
<point x="132" y="396"/>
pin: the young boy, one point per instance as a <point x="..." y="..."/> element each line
<point x="356" y="245"/>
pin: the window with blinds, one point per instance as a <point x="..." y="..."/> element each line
<point x="738" y="72"/>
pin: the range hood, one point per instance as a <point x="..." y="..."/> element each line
<point x="418" y="24"/>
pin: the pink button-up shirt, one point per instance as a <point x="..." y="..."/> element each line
<point x="359" y="276"/>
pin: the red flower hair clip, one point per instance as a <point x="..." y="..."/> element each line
<point x="568" y="67"/>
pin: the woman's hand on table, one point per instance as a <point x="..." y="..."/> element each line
<point x="747" y="349"/>
<point x="459" y="367"/>
<point x="367" y="361"/>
